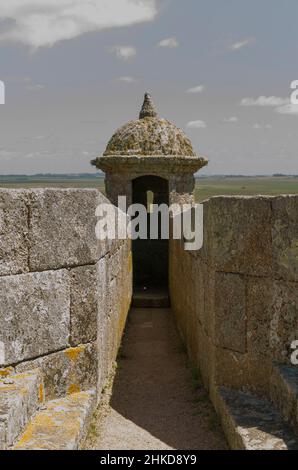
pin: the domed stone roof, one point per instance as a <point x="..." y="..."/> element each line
<point x="149" y="135"/>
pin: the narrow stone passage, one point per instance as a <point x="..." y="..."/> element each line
<point x="157" y="400"/>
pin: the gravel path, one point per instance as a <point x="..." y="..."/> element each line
<point x="157" y="400"/>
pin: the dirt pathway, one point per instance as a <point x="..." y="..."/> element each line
<point x="157" y="400"/>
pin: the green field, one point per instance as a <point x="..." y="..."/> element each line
<point x="205" y="187"/>
<point x="271" y="186"/>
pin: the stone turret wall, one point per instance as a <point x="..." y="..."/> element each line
<point x="236" y="300"/>
<point x="64" y="295"/>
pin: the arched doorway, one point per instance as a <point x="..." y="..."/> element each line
<point x="150" y="257"/>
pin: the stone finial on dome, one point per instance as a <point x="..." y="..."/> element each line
<point x="148" y="108"/>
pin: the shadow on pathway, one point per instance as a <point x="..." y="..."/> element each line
<point x="157" y="401"/>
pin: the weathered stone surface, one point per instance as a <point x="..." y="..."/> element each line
<point x="231" y="368"/>
<point x="251" y="423"/>
<point x="206" y="359"/>
<point x="284" y="320"/>
<point x="230" y="313"/>
<point x="192" y="320"/>
<point x="284" y="392"/>
<point x="181" y="189"/>
<point x="66" y="215"/>
<point x="83" y="304"/>
<point x="259" y="299"/>
<point x="149" y="135"/>
<point x="285" y="237"/>
<point x="259" y="372"/>
<point x="199" y="291"/>
<point x="61" y="426"/>
<point x="237" y="234"/>
<point x="6" y="372"/>
<point x="13" y="231"/>
<point x="19" y="400"/>
<point x="2" y="436"/>
<point x="68" y="371"/>
<point x="34" y="314"/>
<point x="272" y="318"/>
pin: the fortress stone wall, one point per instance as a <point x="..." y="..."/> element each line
<point x="236" y="300"/>
<point x="65" y="297"/>
<point x="64" y="294"/>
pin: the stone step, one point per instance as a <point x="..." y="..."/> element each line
<point x="150" y="298"/>
<point x="284" y="392"/>
<point x="61" y="425"/>
<point x="251" y="423"/>
<point x="20" y="397"/>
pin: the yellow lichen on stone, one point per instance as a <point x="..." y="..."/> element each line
<point x="73" y="388"/>
<point x="6" y="372"/>
<point x="23" y="375"/>
<point x="41" y="393"/>
<point x="130" y="262"/>
<point x="26" y="437"/>
<point x="5" y="388"/>
<point x="59" y="427"/>
<point x="73" y="353"/>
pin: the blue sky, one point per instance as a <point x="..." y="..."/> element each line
<point x="75" y="70"/>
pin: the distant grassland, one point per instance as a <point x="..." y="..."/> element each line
<point x="205" y="187"/>
<point x="270" y="186"/>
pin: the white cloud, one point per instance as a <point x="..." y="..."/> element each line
<point x="291" y="109"/>
<point x="281" y="105"/>
<point x="124" y="52"/>
<point x="261" y="126"/>
<point x="43" y="23"/>
<point x="35" y="87"/>
<point x="240" y="44"/>
<point x="197" y="124"/>
<point x="265" y="101"/>
<point x="126" y="79"/>
<point x="231" y="119"/>
<point x="196" y="89"/>
<point x="169" y="42"/>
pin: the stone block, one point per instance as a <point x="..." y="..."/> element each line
<point x="259" y="373"/>
<point x="285" y="237"/>
<point x="13" y="231"/>
<point x="34" y="314"/>
<point x="206" y="359"/>
<point x="62" y="425"/>
<point x="68" y="371"/>
<point x="284" y="391"/>
<point x="114" y="263"/>
<point x="251" y="423"/>
<point x="62" y="228"/>
<point x="19" y="401"/>
<point x="272" y="318"/>
<point x="84" y="285"/>
<point x="237" y="236"/>
<point x="284" y="320"/>
<point x="208" y="318"/>
<point x="230" y="313"/>
<point x="231" y="368"/>
<point x="102" y="342"/>
<point x="259" y="300"/>
<point x="102" y="278"/>
<point x="199" y="291"/>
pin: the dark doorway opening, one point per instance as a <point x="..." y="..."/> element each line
<point x="150" y="257"/>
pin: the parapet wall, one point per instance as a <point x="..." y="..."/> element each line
<point x="64" y="295"/>
<point x="236" y="300"/>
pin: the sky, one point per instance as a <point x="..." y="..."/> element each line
<point x="76" y="70"/>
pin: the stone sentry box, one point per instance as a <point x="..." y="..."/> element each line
<point x="154" y="152"/>
<point x="150" y="146"/>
